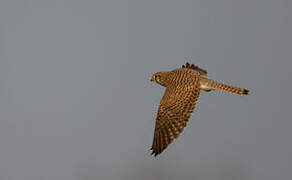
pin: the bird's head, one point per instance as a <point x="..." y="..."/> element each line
<point x="160" y="78"/>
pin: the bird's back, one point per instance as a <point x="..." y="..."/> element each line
<point x="184" y="76"/>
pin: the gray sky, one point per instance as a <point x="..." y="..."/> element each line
<point x="76" y="102"/>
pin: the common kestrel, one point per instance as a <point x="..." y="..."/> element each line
<point x="183" y="87"/>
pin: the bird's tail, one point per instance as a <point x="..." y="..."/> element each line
<point x="231" y="89"/>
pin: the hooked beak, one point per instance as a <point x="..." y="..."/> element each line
<point x="152" y="79"/>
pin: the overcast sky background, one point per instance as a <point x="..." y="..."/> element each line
<point x="76" y="102"/>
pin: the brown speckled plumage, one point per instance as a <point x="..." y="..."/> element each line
<point x="183" y="87"/>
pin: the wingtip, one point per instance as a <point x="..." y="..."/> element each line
<point x="153" y="153"/>
<point x="194" y="67"/>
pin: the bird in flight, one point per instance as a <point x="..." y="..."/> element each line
<point x="183" y="86"/>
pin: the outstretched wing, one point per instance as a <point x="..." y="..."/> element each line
<point x="173" y="115"/>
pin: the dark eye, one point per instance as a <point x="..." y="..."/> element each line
<point x="157" y="77"/>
